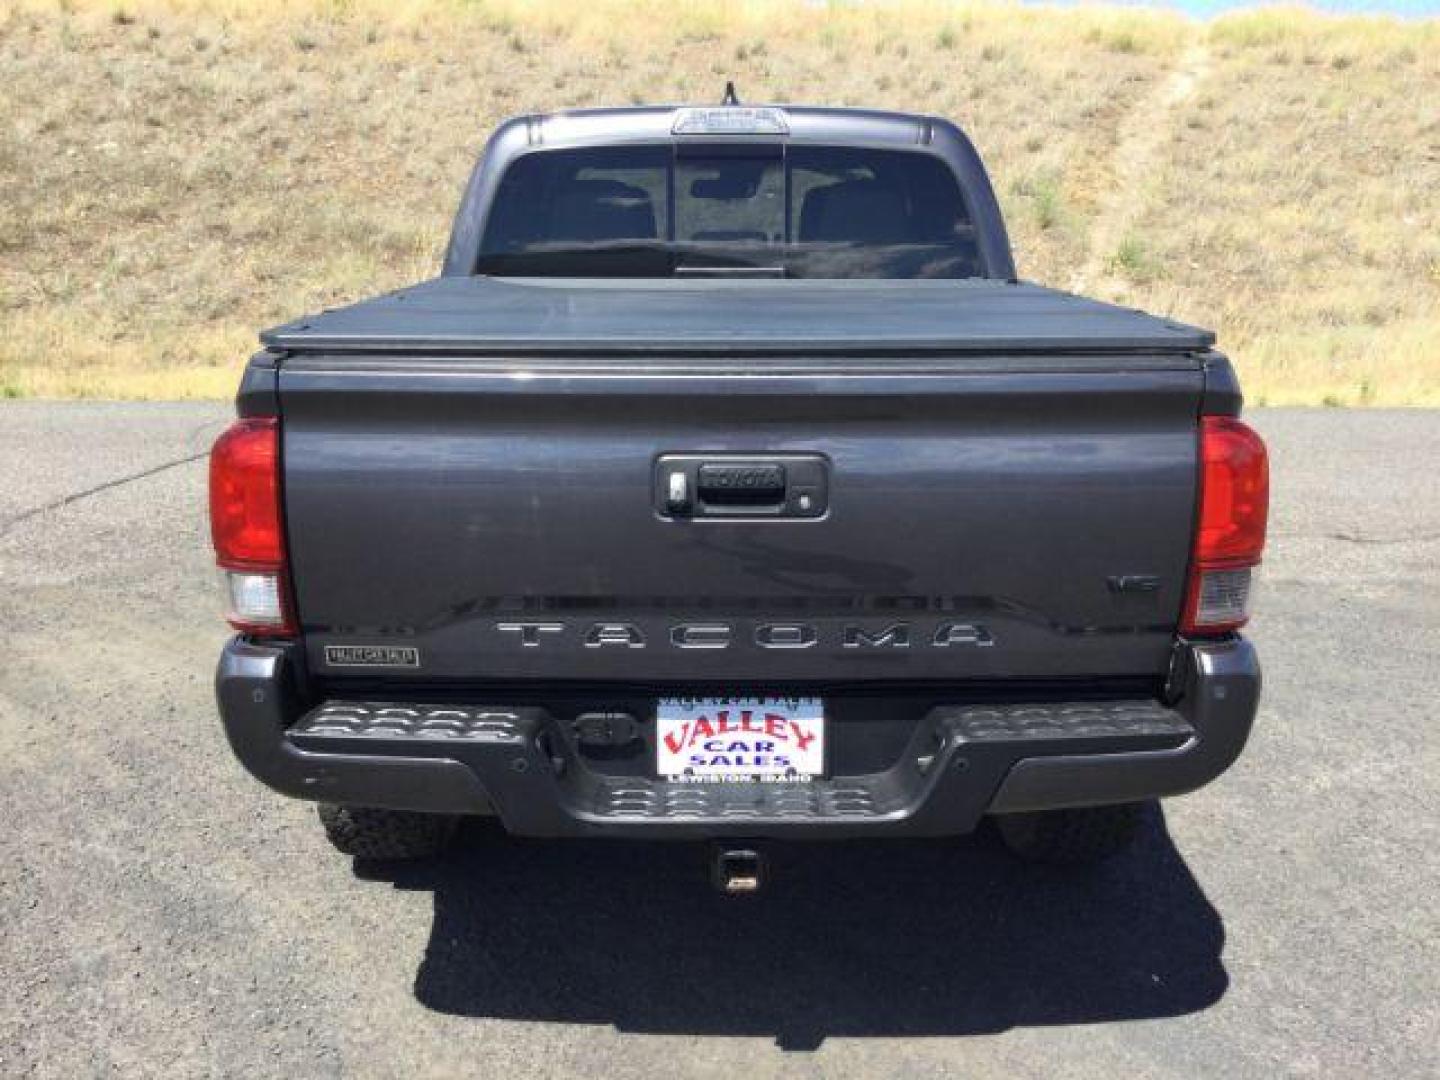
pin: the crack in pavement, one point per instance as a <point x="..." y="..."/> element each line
<point x="108" y="485"/>
<point x="1355" y="538"/>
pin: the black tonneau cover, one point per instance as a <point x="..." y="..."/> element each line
<point x="513" y="316"/>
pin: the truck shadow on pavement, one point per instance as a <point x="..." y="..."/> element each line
<point x="917" y="938"/>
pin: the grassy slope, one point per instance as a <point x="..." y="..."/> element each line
<point x="175" y="174"/>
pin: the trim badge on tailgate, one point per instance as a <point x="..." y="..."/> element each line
<point x="372" y="656"/>
<point x="530" y="635"/>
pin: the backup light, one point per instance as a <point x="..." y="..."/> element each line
<point x="730" y="120"/>
<point x="1230" y="530"/>
<point x="255" y="604"/>
<point x="246" y="527"/>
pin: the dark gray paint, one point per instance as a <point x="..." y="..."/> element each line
<point x="258" y="394"/>
<point x="1222" y="388"/>
<point x="425" y="507"/>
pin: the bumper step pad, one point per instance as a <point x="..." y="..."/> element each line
<point x="823" y="799"/>
<point x="342" y="721"/>
<point x="1114" y="725"/>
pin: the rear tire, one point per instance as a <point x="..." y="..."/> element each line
<point x="367" y="832"/>
<point x="1071" y="837"/>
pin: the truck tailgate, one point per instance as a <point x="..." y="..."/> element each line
<point x="465" y="520"/>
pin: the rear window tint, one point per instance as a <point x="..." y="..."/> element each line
<point x="809" y="211"/>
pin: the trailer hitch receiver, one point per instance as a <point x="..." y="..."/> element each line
<point x="738" y="869"/>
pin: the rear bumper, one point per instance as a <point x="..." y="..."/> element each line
<point x="963" y="762"/>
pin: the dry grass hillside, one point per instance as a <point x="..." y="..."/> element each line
<point x="175" y="174"/>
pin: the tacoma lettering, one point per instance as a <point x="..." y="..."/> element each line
<point x="775" y="636"/>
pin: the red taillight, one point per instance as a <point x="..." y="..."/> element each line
<point x="1230" y="531"/>
<point x="245" y="524"/>
<point x="245" y="496"/>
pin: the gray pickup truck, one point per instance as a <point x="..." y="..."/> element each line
<point x="727" y="484"/>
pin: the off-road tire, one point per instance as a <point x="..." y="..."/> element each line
<point x="1071" y="837"/>
<point x="369" y="833"/>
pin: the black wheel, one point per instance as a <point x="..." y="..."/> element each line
<point x="370" y="833"/>
<point x="1071" y="837"/>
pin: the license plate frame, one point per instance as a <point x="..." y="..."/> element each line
<point x="749" y="739"/>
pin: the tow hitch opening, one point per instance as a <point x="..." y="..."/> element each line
<point x="738" y="870"/>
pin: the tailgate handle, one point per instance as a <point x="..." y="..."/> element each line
<point x="696" y="487"/>
<point x="741" y="485"/>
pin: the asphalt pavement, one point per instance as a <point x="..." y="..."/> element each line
<point x="163" y="914"/>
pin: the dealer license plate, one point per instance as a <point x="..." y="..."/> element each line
<point x="714" y="740"/>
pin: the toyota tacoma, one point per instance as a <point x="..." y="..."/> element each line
<point x="728" y="484"/>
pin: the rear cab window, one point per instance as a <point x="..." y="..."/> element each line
<point x="770" y="209"/>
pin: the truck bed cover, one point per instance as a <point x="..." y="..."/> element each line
<point x="588" y="317"/>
